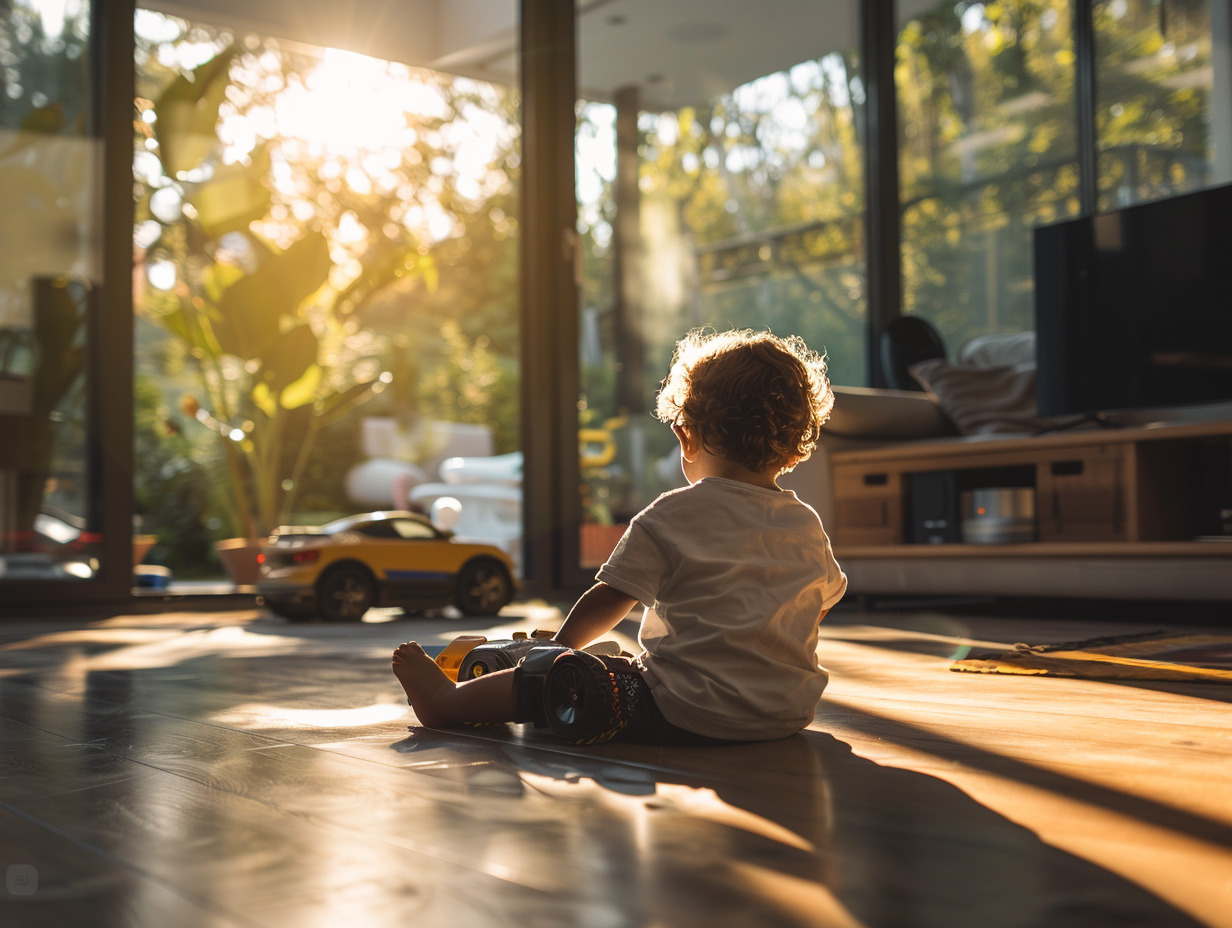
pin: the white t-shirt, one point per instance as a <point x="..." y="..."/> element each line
<point x="734" y="578"/>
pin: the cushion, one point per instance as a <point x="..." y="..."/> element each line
<point x="866" y="412"/>
<point x="998" y="350"/>
<point x="982" y="400"/>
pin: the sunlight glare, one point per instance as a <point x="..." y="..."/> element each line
<point x="257" y="715"/>
<point x="350" y="229"/>
<point x="161" y="275"/>
<point x="350" y="104"/>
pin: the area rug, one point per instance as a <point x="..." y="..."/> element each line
<point x="1151" y="656"/>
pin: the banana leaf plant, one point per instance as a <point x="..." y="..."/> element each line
<point x="263" y="334"/>
<point x="267" y="394"/>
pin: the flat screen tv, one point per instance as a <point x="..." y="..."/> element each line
<point x="1133" y="308"/>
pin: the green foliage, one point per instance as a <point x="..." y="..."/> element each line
<point x="268" y="387"/>
<point x="988" y="144"/>
<point x="188" y="115"/>
<point x="173" y="487"/>
<point x="304" y="289"/>
<point x="766" y="221"/>
<point x="752" y="202"/>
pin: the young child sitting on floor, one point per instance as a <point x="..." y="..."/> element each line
<point x="734" y="572"/>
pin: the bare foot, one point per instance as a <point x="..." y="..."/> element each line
<point x="425" y="684"/>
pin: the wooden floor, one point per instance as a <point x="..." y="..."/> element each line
<point x="220" y="769"/>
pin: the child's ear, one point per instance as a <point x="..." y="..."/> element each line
<point x="688" y="447"/>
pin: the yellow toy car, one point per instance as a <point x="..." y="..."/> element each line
<point x="469" y="656"/>
<point x="340" y="570"/>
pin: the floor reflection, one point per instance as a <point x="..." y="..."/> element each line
<point x="266" y="776"/>
<point x="802" y="831"/>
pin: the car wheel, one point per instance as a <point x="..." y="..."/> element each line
<point x="484" y="587"/>
<point x="292" y="610"/>
<point x="345" y="593"/>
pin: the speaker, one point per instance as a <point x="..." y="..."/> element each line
<point x="932" y="508"/>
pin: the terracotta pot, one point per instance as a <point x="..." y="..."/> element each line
<point x="597" y="541"/>
<point x="239" y="559"/>
<point x="141" y="547"/>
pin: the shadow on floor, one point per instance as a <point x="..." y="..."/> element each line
<point x="801" y="831"/>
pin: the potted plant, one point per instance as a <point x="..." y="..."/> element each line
<point x="268" y="387"/>
<point x="267" y="333"/>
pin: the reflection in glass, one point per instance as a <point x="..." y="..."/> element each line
<point x="720" y="182"/>
<point x="987" y="151"/>
<point x="49" y="263"/>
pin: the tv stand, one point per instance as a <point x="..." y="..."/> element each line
<point x="1131" y="512"/>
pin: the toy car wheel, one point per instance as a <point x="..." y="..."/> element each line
<point x="578" y="700"/>
<point x="484" y="587"/>
<point x="292" y="610"/>
<point x="345" y="593"/>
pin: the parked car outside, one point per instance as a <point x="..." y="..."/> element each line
<point x="340" y="570"/>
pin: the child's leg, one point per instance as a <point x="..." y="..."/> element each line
<point x="439" y="702"/>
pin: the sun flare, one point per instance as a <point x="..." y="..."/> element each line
<point x="352" y="104"/>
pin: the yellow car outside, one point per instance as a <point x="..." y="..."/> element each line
<point x="340" y="570"/>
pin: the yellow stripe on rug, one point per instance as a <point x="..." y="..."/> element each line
<point x="1154" y="656"/>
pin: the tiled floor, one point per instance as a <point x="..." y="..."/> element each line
<point x="184" y="769"/>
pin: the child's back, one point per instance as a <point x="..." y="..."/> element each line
<point x="736" y="578"/>
<point x="734" y="573"/>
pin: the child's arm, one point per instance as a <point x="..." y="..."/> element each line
<point x="598" y="611"/>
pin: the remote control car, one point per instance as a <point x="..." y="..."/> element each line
<point x="573" y="692"/>
<point x="340" y="570"/>
<point x="469" y="656"/>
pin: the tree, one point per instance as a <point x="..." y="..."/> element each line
<point x="310" y="276"/>
<point x="257" y="335"/>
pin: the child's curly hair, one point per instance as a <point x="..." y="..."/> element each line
<point x="751" y="397"/>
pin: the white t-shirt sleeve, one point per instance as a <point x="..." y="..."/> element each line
<point x="638" y="566"/>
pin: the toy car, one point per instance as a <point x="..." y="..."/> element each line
<point x="470" y="656"/>
<point x="340" y="570"/>
<point x="572" y="692"/>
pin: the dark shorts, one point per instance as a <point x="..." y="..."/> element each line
<point x="618" y="706"/>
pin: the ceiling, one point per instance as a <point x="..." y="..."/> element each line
<point x="678" y="53"/>
<point x="681" y="53"/>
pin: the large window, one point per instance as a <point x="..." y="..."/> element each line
<point x="326" y="239"/>
<point x="1163" y="93"/>
<point x="50" y="274"/>
<point x="326" y="283"/>
<point x="988" y="136"/>
<point x="720" y="183"/>
<point x="987" y="150"/>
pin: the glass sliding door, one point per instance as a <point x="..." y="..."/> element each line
<point x="719" y="182"/>
<point x="50" y="270"/>
<point x="326" y="288"/>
